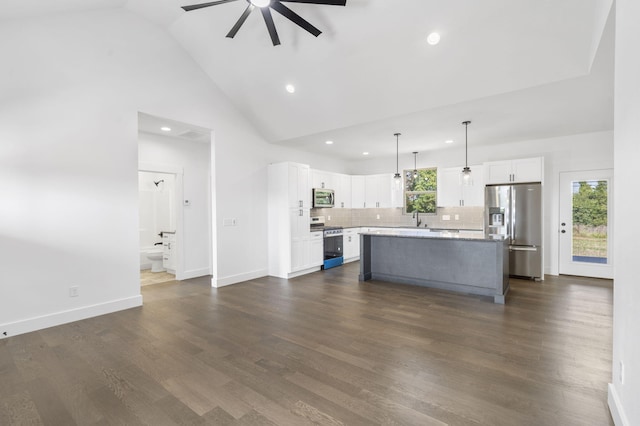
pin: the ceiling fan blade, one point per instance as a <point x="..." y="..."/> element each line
<point x="268" y="19"/>
<point x="329" y="2"/>
<point x="202" y="5"/>
<point x="241" y="20"/>
<point x="295" y="18"/>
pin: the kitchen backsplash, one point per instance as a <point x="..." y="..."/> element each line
<point x="458" y="217"/>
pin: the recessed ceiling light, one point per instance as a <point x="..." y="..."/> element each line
<point x="329" y="142"/>
<point x="365" y="153"/>
<point x="165" y="129"/>
<point x="448" y="141"/>
<point x="433" y="39"/>
<point x="291" y="88"/>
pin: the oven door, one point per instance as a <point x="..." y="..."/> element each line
<point x="332" y="246"/>
<point x="332" y="251"/>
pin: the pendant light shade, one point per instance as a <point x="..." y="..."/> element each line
<point x="466" y="171"/>
<point x="397" y="177"/>
<point x="415" y="164"/>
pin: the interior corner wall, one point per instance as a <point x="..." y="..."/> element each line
<point x="71" y="88"/>
<point x="625" y="386"/>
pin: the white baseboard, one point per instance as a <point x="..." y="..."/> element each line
<point x="234" y="279"/>
<point x="616" y="408"/>
<point x="64" y="317"/>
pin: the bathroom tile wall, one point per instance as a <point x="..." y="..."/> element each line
<point x="458" y="217"/>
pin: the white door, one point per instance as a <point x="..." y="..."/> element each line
<point x="585" y="232"/>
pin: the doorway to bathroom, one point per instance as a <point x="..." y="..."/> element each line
<point x="157" y="227"/>
<point x="180" y="155"/>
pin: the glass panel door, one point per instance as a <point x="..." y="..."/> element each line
<point x="585" y="223"/>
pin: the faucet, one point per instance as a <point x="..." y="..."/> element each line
<point x="416" y="216"/>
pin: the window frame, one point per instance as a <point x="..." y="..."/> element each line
<point x="408" y="173"/>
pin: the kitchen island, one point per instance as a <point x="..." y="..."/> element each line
<point x="456" y="261"/>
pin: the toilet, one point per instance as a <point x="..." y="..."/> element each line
<point x="155" y="256"/>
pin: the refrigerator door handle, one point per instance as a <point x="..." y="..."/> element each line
<point x="516" y="248"/>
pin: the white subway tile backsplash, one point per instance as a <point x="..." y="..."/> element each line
<point x="456" y="217"/>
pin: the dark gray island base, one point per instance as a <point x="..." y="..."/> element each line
<point x="470" y="264"/>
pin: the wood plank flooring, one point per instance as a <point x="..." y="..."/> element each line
<point x="323" y="349"/>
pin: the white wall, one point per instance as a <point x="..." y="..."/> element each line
<point x="71" y="87"/>
<point x="192" y="159"/>
<point x="624" y="395"/>
<point x="588" y="151"/>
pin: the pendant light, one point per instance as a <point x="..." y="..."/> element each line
<point x="397" y="177"/>
<point x="466" y="172"/>
<point x="415" y="162"/>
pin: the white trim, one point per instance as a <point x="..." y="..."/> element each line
<point x="234" y="279"/>
<point x="616" y="408"/>
<point x="64" y="317"/>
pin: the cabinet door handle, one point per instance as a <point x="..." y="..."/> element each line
<point x="300" y="213"/>
<point x="300" y="203"/>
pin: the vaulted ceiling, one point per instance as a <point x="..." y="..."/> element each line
<point x="519" y="70"/>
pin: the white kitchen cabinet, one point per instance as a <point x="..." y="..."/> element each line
<point x="343" y="191"/>
<point x="351" y="244"/>
<point x="290" y="243"/>
<point x="514" y="171"/>
<point x="298" y="184"/>
<point x="451" y="191"/>
<point x="316" y="249"/>
<point x="357" y="192"/>
<point x="324" y="180"/>
<point x="378" y="191"/>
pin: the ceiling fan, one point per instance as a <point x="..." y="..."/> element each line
<point x="265" y="6"/>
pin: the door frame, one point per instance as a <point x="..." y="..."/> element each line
<point x="566" y="266"/>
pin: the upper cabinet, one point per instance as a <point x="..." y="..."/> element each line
<point x="299" y="188"/>
<point x="514" y="171"/>
<point x="343" y="191"/>
<point x="357" y="192"/>
<point x="377" y="191"/>
<point x="324" y="180"/>
<point x="452" y="193"/>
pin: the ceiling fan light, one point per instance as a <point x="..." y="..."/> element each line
<point x="260" y="3"/>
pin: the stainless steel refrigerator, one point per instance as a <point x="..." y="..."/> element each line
<point x="515" y="212"/>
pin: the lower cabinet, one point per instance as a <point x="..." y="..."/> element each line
<point x="316" y="249"/>
<point x="351" y="244"/>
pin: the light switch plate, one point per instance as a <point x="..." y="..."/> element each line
<point x="446" y="217"/>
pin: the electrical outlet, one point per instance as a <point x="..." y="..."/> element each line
<point x="457" y="217"/>
<point x="329" y="217"/>
<point x="74" y="291"/>
<point x="446" y="217"/>
<point x="377" y="216"/>
<point x="621" y="373"/>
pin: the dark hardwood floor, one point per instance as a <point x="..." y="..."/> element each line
<point x="321" y="349"/>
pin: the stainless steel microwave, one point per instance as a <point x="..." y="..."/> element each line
<point x="323" y="198"/>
